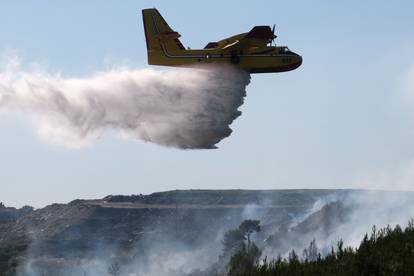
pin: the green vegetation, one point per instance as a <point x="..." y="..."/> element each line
<point x="385" y="252"/>
<point x="238" y="247"/>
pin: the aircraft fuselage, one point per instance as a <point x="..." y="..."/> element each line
<point x="247" y="51"/>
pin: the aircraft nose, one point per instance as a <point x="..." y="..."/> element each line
<point x="299" y="60"/>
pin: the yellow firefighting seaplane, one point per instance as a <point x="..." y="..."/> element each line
<point x="253" y="51"/>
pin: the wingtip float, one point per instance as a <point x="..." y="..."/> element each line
<point x="253" y="51"/>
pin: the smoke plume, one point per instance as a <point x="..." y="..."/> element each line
<point x="183" y="108"/>
<point x="188" y="242"/>
<point x="345" y="216"/>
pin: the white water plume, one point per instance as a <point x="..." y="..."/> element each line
<point x="183" y="108"/>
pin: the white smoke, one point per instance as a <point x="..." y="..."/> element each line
<point x="183" y="108"/>
<point x="344" y="216"/>
<point x="316" y="207"/>
<point x="341" y="215"/>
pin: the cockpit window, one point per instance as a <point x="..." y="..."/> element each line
<point x="284" y="50"/>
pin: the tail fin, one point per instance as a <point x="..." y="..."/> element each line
<point x="159" y="35"/>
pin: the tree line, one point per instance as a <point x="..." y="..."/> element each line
<point x="387" y="251"/>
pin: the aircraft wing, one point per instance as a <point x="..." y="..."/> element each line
<point x="259" y="36"/>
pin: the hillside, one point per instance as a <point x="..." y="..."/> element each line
<point x="139" y="229"/>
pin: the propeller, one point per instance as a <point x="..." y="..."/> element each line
<point x="273" y="35"/>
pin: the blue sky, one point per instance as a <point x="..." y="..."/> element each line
<point x="342" y="120"/>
